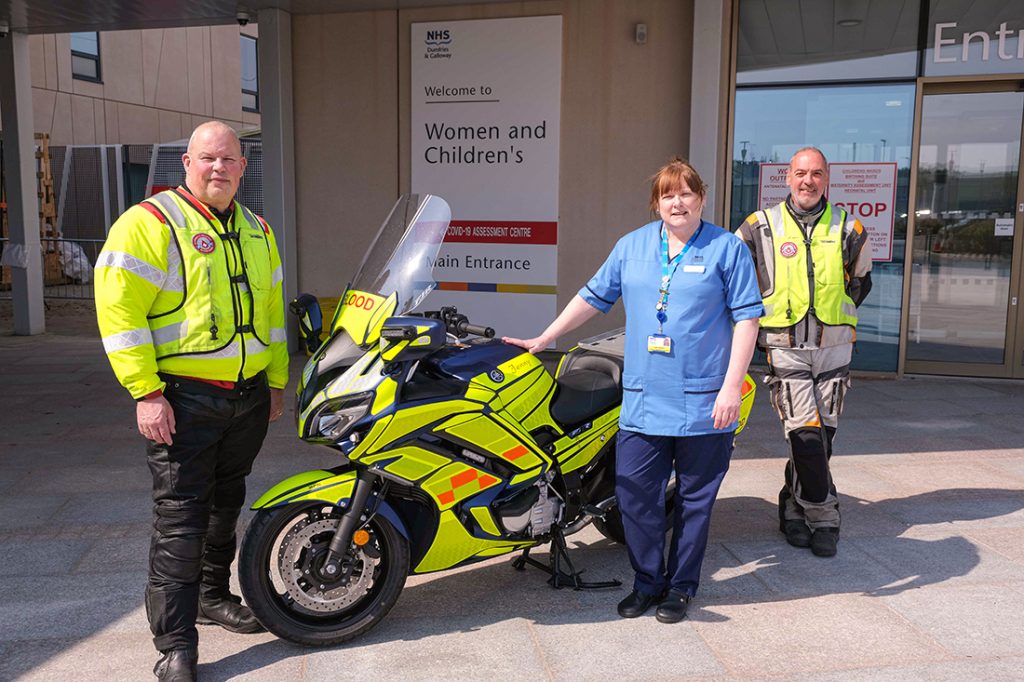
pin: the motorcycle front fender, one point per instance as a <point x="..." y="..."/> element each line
<point x="330" y="487"/>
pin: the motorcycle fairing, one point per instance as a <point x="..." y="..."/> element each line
<point x="453" y="545"/>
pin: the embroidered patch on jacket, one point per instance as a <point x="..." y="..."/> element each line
<point x="204" y="243"/>
<point x="788" y="249"/>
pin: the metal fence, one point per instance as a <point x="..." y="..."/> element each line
<point x="94" y="184"/>
<point x="67" y="268"/>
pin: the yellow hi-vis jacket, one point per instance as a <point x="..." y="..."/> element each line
<point x="793" y="291"/>
<point x="178" y="292"/>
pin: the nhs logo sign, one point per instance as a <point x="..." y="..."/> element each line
<point x="438" y="37"/>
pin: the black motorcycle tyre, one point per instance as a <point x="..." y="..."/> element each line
<point x="273" y="610"/>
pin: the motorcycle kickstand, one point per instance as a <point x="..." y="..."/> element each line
<point x="560" y="553"/>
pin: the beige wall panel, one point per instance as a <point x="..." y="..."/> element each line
<point x="197" y="73"/>
<point x="137" y="125"/>
<point x="37" y="60"/>
<point x="111" y="121"/>
<point x="99" y="116"/>
<point x="87" y="88"/>
<point x="346" y="140"/>
<point x="50" y="61"/>
<point x="61" y="132"/>
<point x="625" y="111"/>
<point x="152" y="48"/>
<point x="172" y="84"/>
<point x="170" y="126"/>
<point x="225" y="55"/>
<point x="43" y="103"/>
<point x="62" y="47"/>
<point x="122" y="66"/>
<point x="83" y="120"/>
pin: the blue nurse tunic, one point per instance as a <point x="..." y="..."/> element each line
<point x="666" y="425"/>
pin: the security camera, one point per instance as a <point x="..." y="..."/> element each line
<point x="243" y="17"/>
<point x="5" y="28"/>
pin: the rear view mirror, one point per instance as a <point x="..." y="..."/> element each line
<point x="307" y="309"/>
<point x="410" y="338"/>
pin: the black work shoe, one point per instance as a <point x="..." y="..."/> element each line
<point x="636" y="604"/>
<point x="823" y="541"/>
<point x="797" y="533"/>
<point x="177" y="665"/>
<point x="672" y="608"/>
<point x="228" y="614"/>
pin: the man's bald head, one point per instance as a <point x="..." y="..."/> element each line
<point x="214" y="164"/>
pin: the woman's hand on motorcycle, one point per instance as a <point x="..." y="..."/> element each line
<point x="534" y="345"/>
<point x="727" y="406"/>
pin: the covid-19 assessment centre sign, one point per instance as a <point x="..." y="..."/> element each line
<point x="485" y="122"/>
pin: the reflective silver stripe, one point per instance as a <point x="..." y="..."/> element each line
<point x="768" y="309"/>
<point x="276" y="278"/>
<point x="172" y="209"/>
<point x="775" y="219"/>
<point x="172" y="332"/>
<point x="278" y="335"/>
<point x="132" y="264"/>
<point x="838" y="218"/>
<point x="128" y="339"/>
<point x="850" y="309"/>
<point x="243" y="287"/>
<point x="229" y="351"/>
<point x="254" y="346"/>
<point x="175" y="280"/>
<point x="251" y="218"/>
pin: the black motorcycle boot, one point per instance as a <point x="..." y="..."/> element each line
<point x="824" y="541"/>
<point x="229" y="613"/>
<point x="177" y="665"/>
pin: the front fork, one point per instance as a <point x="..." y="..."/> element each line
<point x="338" y="549"/>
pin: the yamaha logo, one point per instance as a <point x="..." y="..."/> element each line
<point x="204" y="243"/>
<point x="788" y="249"/>
<point x="496" y="375"/>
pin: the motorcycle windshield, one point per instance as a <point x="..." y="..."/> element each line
<point x="397" y="271"/>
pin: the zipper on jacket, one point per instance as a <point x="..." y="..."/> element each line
<point x="213" y="313"/>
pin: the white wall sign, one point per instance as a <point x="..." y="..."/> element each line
<point x="866" y="190"/>
<point x="868" y="193"/>
<point x="1004" y="227"/>
<point x="486" y="98"/>
<point x="772" y="187"/>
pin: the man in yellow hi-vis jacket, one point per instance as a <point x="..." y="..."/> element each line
<point x="190" y="307"/>
<point x="813" y="264"/>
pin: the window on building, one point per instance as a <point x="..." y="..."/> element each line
<point x="250" y="75"/>
<point x="865" y="128"/>
<point x="85" y="56"/>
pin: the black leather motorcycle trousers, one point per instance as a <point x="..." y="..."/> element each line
<point x="198" y="492"/>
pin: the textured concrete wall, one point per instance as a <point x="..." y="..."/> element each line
<point x="625" y="111"/>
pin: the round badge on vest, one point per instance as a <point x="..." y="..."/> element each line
<point x="788" y="249"/>
<point x="204" y="243"/>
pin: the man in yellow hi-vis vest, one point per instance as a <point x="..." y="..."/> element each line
<point x="814" y="268"/>
<point x="190" y="307"/>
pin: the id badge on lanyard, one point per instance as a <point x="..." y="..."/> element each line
<point x="661" y="342"/>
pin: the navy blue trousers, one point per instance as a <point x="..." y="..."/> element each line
<point x="643" y="465"/>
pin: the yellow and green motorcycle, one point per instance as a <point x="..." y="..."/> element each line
<point x="451" y="450"/>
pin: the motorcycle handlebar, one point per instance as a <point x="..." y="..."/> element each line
<point x="465" y="327"/>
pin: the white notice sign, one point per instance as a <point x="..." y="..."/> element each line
<point x="772" y="187"/>
<point x="486" y="98"/>
<point x="868" y="193"/>
<point x="1004" y="227"/>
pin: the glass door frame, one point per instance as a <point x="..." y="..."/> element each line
<point x="1013" y="363"/>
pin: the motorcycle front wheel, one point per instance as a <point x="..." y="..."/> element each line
<point x="279" y="569"/>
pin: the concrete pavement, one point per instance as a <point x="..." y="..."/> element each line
<point x="928" y="583"/>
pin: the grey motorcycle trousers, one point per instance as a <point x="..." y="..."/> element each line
<point x="198" y="492"/>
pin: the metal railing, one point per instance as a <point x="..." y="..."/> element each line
<point x="67" y="268"/>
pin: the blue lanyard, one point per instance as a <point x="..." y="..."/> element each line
<point x="668" y="271"/>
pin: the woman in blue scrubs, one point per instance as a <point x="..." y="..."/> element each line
<point x="692" y="306"/>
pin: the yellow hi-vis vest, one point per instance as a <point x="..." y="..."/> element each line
<point x="178" y="293"/>
<point x="795" y="292"/>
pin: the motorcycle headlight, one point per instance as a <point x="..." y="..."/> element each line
<point x="335" y="417"/>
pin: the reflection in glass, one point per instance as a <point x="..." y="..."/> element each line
<point x="966" y="195"/>
<point x="862" y="123"/>
<point x="826" y="40"/>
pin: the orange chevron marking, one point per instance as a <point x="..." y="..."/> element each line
<point x="515" y="453"/>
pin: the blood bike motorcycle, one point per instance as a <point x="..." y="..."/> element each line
<point x="450" y="451"/>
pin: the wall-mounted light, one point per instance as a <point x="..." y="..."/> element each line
<point x="640" y="34"/>
<point x="849" y="23"/>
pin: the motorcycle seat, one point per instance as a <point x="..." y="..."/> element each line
<point x="583" y="394"/>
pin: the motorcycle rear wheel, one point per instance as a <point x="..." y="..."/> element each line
<point x="277" y="570"/>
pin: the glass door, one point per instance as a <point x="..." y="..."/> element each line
<point x="965" y="293"/>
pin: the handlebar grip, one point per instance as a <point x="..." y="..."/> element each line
<point x="476" y="329"/>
